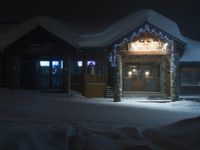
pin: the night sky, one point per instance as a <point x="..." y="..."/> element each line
<point x="185" y="13"/>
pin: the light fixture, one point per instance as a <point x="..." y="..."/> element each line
<point x="134" y="70"/>
<point x="147" y="73"/>
<point x="130" y="73"/>
<point x="165" y="45"/>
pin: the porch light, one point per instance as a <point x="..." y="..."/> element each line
<point x="134" y="70"/>
<point x="147" y="73"/>
<point x="165" y="46"/>
<point x="130" y="73"/>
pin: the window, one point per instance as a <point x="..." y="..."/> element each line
<point x="190" y="77"/>
<point x="76" y="67"/>
<point x="80" y="63"/>
<point x="55" y="63"/>
<point x="91" y="63"/>
<point x="44" y="63"/>
<point x="95" y="67"/>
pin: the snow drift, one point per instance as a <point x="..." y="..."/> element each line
<point x="182" y="135"/>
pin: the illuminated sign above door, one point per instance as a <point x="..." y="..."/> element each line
<point x="148" y="45"/>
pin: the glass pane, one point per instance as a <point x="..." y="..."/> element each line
<point x="56" y="67"/>
<point x="95" y="67"/>
<point x="44" y="63"/>
<point x="190" y="77"/>
<point x="79" y="63"/>
<point x="76" y="68"/>
<point x="55" y="63"/>
<point x="56" y="73"/>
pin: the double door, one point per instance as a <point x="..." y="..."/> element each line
<point x="50" y="74"/>
<point x="141" y="77"/>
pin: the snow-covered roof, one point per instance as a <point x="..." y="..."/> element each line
<point x="57" y="28"/>
<point x="128" y="24"/>
<point x="103" y="38"/>
<point x="191" y="52"/>
<point x="100" y="39"/>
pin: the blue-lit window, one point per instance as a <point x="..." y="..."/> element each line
<point x="61" y="64"/>
<point x="79" y="63"/>
<point x="55" y="63"/>
<point x="91" y="63"/>
<point x="44" y="63"/>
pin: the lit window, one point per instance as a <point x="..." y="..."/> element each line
<point x="55" y="63"/>
<point x="80" y="63"/>
<point x="91" y="63"/>
<point x="61" y="64"/>
<point x="44" y="63"/>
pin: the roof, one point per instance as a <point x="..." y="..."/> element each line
<point x="128" y="24"/>
<point x="192" y="51"/>
<point x="103" y="38"/>
<point x="57" y="28"/>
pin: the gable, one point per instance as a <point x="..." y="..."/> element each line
<point x="145" y="29"/>
<point x="38" y="40"/>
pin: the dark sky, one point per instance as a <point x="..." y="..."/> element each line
<point x="185" y="12"/>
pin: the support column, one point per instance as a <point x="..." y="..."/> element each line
<point x="1" y="69"/>
<point x="118" y="80"/>
<point x="174" y="76"/>
<point x="67" y="75"/>
<point x="163" y="76"/>
<point x="16" y="72"/>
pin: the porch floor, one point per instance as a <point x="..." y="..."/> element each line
<point x="142" y="94"/>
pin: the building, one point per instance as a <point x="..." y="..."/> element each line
<point x="143" y="53"/>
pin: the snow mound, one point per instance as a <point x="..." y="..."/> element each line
<point x="72" y="138"/>
<point x="182" y="135"/>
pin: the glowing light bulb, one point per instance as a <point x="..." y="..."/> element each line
<point x="130" y="73"/>
<point x="166" y="44"/>
<point x="147" y="73"/>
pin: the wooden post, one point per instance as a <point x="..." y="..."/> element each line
<point x="1" y="70"/>
<point x="174" y="76"/>
<point x="16" y="72"/>
<point x="118" y="80"/>
<point x="69" y="75"/>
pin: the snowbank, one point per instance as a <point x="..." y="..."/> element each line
<point x="182" y="135"/>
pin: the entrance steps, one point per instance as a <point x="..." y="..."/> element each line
<point x="109" y="92"/>
<point x="142" y="94"/>
<point x="150" y="95"/>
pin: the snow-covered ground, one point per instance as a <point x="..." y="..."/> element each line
<point x="31" y="120"/>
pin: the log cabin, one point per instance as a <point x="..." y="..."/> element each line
<point x="141" y="54"/>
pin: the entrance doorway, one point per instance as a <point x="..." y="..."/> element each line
<point x="141" y="77"/>
<point x="50" y="74"/>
